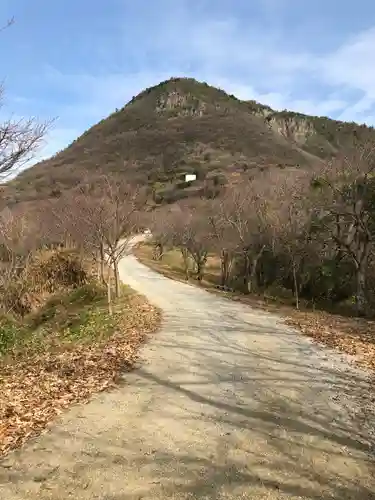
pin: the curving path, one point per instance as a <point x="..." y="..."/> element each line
<point x="229" y="403"/>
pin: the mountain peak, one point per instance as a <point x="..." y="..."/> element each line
<point x="185" y="126"/>
<point x="183" y="95"/>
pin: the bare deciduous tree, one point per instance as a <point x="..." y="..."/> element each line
<point x="245" y="210"/>
<point x="223" y="237"/>
<point x="291" y="221"/>
<point x="159" y="222"/>
<point x="344" y="208"/>
<point x="179" y="233"/>
<point x="101" y="216"/>
<point x="198" y="241"/>
<point x="122" y="204"/>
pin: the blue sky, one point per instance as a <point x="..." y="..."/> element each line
<point x="79" y="60"/>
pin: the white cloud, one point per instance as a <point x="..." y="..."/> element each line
<point x="351" y="67"/>
<point x="246" y="61"/>
<point x="317" y="108"/>
<point x="352" y="64"/>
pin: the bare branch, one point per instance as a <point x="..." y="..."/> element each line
<point x="19" y="140"/>
<point x="9" y="23"/>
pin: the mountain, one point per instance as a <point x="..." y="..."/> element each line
<point x="185" y="126"/>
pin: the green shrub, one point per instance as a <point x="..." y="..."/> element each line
<point x="61" y="306"/>
<point x="10" y="332"/>
<point x="183" y="184"/>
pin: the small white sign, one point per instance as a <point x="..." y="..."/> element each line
<point x="190" y="177"/>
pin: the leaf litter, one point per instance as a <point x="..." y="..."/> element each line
<point x="35" y="389"/>
<point x="353" y="336"/>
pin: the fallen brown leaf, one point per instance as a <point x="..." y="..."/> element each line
<point x="352" y="336"/>
<point x="35" y="390"/>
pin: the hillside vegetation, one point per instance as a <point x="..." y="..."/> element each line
<point x="302" y="239"/>
<point x="284" y="199"/>
<point x="284" y="205"/>
<point x="182" y="126"/>
<point x="68" y="328"/>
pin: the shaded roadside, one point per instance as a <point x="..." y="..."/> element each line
<point x="352" y="336"/>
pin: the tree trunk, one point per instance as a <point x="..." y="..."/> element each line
<point x="295" y="285"/>
<point x="200" y="270"/>
<point x="102" y="262"/>
<point x="361" y="289"/>
<point x="224" y="268"/>
<point x="185" y="259"/>
<point x="254" y="267"/>
<point x="251" y="270"/>
<point x="117" y="279"/>
<point x="109" y="292"/>
<point x="161" y="251"/>
<point x="246" y="274"/>
<point x="200" y="259"/>
<point x="98" y="260"/>
<point x="158" y="252"/>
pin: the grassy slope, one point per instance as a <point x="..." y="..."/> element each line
<point x="62" y="354"/>
<point x="350" y="335"/>
<point x="64" y="317"/>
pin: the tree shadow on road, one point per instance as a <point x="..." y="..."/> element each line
<point x="273" y="427"/>
<point x="295" y="441"/>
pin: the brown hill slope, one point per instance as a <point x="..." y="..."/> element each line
<point x="182" y="126"/>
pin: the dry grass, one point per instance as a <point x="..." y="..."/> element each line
<point x="69" y="351"/>
<point x="352" y="336"/>
<point x="171" y="266"/>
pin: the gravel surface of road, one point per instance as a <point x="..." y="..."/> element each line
<point x="228" y="403"/>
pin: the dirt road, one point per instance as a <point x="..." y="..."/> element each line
<point x="229" y="403"/>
